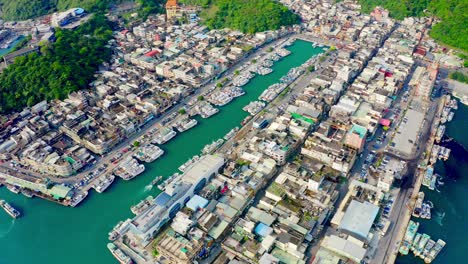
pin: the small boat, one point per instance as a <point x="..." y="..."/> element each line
<point x="13" y="212"/>
<point x="156" y="180"/>
<point x="13" y="188"/>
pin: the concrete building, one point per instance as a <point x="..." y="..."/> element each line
<point x="178" y="192"/>
<point x="358" y="219"/>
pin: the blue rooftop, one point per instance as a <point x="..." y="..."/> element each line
<point x="79" y="11"/>
<point x="263" y="230"/>
<point x="162" y="199"/>
<point x="197" y="202"/>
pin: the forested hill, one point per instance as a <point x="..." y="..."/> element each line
<point x="25" y="9"/>
<point x="64" y="66"/>
<point x="248" y="16"/>
<point x="453" y="30"/>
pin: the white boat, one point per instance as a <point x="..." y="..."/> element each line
<point x="101" y="186"/>
<point x="189" y="163"/>
<point x="435" y="251"/>
<point x="164" y="136"/>
<point x="210" y="148"/>
<point x="119" y="254"/>
<point x="149" y="153"/>
<point x="9" y="209"/>
<point x="207" y="110"/>
<point x="254" y="107"/>
<point x="129" y="169"/>
<point x="13" y="188"/>
<point x="450" y="116"/>
<point x="77" y="199"/>
<point x="186" y="124"/>
<point x="231" y="133"/>
<point x="142" y="205"/>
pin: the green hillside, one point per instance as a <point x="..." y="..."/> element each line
<point x="248" y="16"/>
<point x="64" y="66"/>
<point x="453" y="30"/>
<point x="25" y="9"/>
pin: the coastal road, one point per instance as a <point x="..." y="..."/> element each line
<point x="105" y="159"/>
<point x="388" y="245"/>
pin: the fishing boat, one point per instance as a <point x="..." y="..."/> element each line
<point x="13" y="212"/>
<point x="409" y="236"/>
<point x="119" y="254"/>
<point x="435" y="251"/>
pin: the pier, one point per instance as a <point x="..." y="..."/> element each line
<point x="413" y="195"/>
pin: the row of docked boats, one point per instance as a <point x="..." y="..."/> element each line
<point x="421" y="244"/>
<point x="447" y="114"/>
<point x="231" y="133"/>
<point x="272" y="92"/>
<point x="225" y="95"/>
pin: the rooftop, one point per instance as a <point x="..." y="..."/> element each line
<point x="359" y="218"/>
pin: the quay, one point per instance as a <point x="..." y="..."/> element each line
<point x="413" y="196"/>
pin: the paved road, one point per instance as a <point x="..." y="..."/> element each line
<point x="105" y="159"/>
<point x="389" y="243"/>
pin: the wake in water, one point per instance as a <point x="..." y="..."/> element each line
<point x="10" y="227"/>
<point x="439" y="217"/>
<point x="148" y="187"/>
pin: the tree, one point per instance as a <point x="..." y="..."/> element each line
<point x="247" y="16"/>
<point x="311" y="68"/>
<point x="201" y="98"/>
<point x="219" y="85"/>
<point x="236" y="72"/>
<point x="182" y="111"/>
<point x="136" y="144"/>
<point x="60" y="68"/>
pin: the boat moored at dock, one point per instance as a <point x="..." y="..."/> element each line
<point x="149" y="153"/>
<point x="409" y="236"/>
<point x="129" y="169"/>
<point x="119" y="254"/>
<point x="435" y="251"/>
<point x="164" y="136"/>
<point x="142" y="205"/>
<point x="102" y="185"/>
<point x="186" y="124"/>
<point x="78" y="198"/>
<point x="210" y="148"/>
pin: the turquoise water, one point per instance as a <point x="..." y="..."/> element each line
<point x="53" y="234"/>
<point x="12" y="46"/>
<point x="450" y="214"/>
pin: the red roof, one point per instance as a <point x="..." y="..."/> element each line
<point x="152" y="53"/>
<point x="171" y="3"/>
<point x="384" y="122"/>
